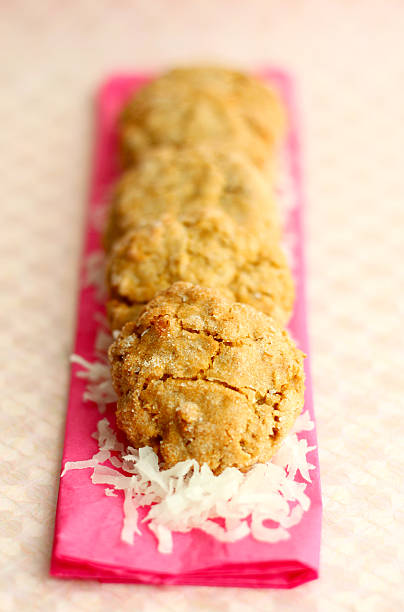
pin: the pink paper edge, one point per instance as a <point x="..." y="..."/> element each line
<point x="63" y="566"/>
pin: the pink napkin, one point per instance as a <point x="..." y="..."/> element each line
<point x="87" y="541"/>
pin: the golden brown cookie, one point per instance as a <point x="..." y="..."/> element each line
<point x="183" y="182"/>
<point x="120" y="312"/>
<point x="210" y="250"/>
<point x="203" y="105"/>
<point x="199" y="376"/>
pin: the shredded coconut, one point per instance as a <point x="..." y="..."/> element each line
<point x="102" y="343"/>
<point x="99" y="215"/>
<point x="95" y="274"/>
<point x="99" y="386"/>
<point x="101" y="318"/>
<point x="287" y="196"/>
<point x="99" y="457"/>
<point x="106" y="437"/>
<point x="189" y="496"/>
<point x="110" y="492"/>
<point x="303" y="423"/>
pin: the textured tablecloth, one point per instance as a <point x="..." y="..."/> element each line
<point x="349" y="61"/>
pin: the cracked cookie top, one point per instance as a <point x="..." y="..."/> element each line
<point x="203" y="105"/>
<point x="199" y="376"/>
<point x="207" y="249"/>
<point x="184" y="182"/>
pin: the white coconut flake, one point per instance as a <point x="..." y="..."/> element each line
<point x="294" y="518"/>
<point x="164" y="537"/>
<point x="302" y="423"/>
<point x="287" y="198"/>
<point x="130" y="527"/>
<point x="110" y="492"/>
<point x="103" y="474"/>
<point x="99" y="457"/>
<point x="267" y="534"/>
<point x="292" y="455"/>
<point x="189" y="496"/>
<point x="102" y="343"/>
<point x="106" y="437"/>
<point x="116" y="462"/>
<point x="99" y="215"/>
<point x="99" y="385"/>
<point x="95" y="274"/>
<point x="101" y="318"/>
<point x="224" y="534"/>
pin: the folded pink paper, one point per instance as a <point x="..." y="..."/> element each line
<point x="87" y="541"/>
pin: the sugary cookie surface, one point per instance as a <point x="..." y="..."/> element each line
<point x="184" y="182"/>
<point x="209" y="249"/>
<point x="199" y="376"/>
<point x="203" y="105"/>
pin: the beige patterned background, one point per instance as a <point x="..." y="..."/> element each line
<point x="348" y="57"/>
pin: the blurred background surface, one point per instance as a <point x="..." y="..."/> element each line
<point x="348" y="59"/>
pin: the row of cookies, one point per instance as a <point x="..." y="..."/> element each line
<point x="196" y="215"/>
<point x="195" y="205"/>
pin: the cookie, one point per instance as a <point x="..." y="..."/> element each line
<point x="209" y="249"/>
<point x="203" y="105"/>
<point x="120" y="312"/>
<point x="182" y="182"/>
<point x="199" y="376"/>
